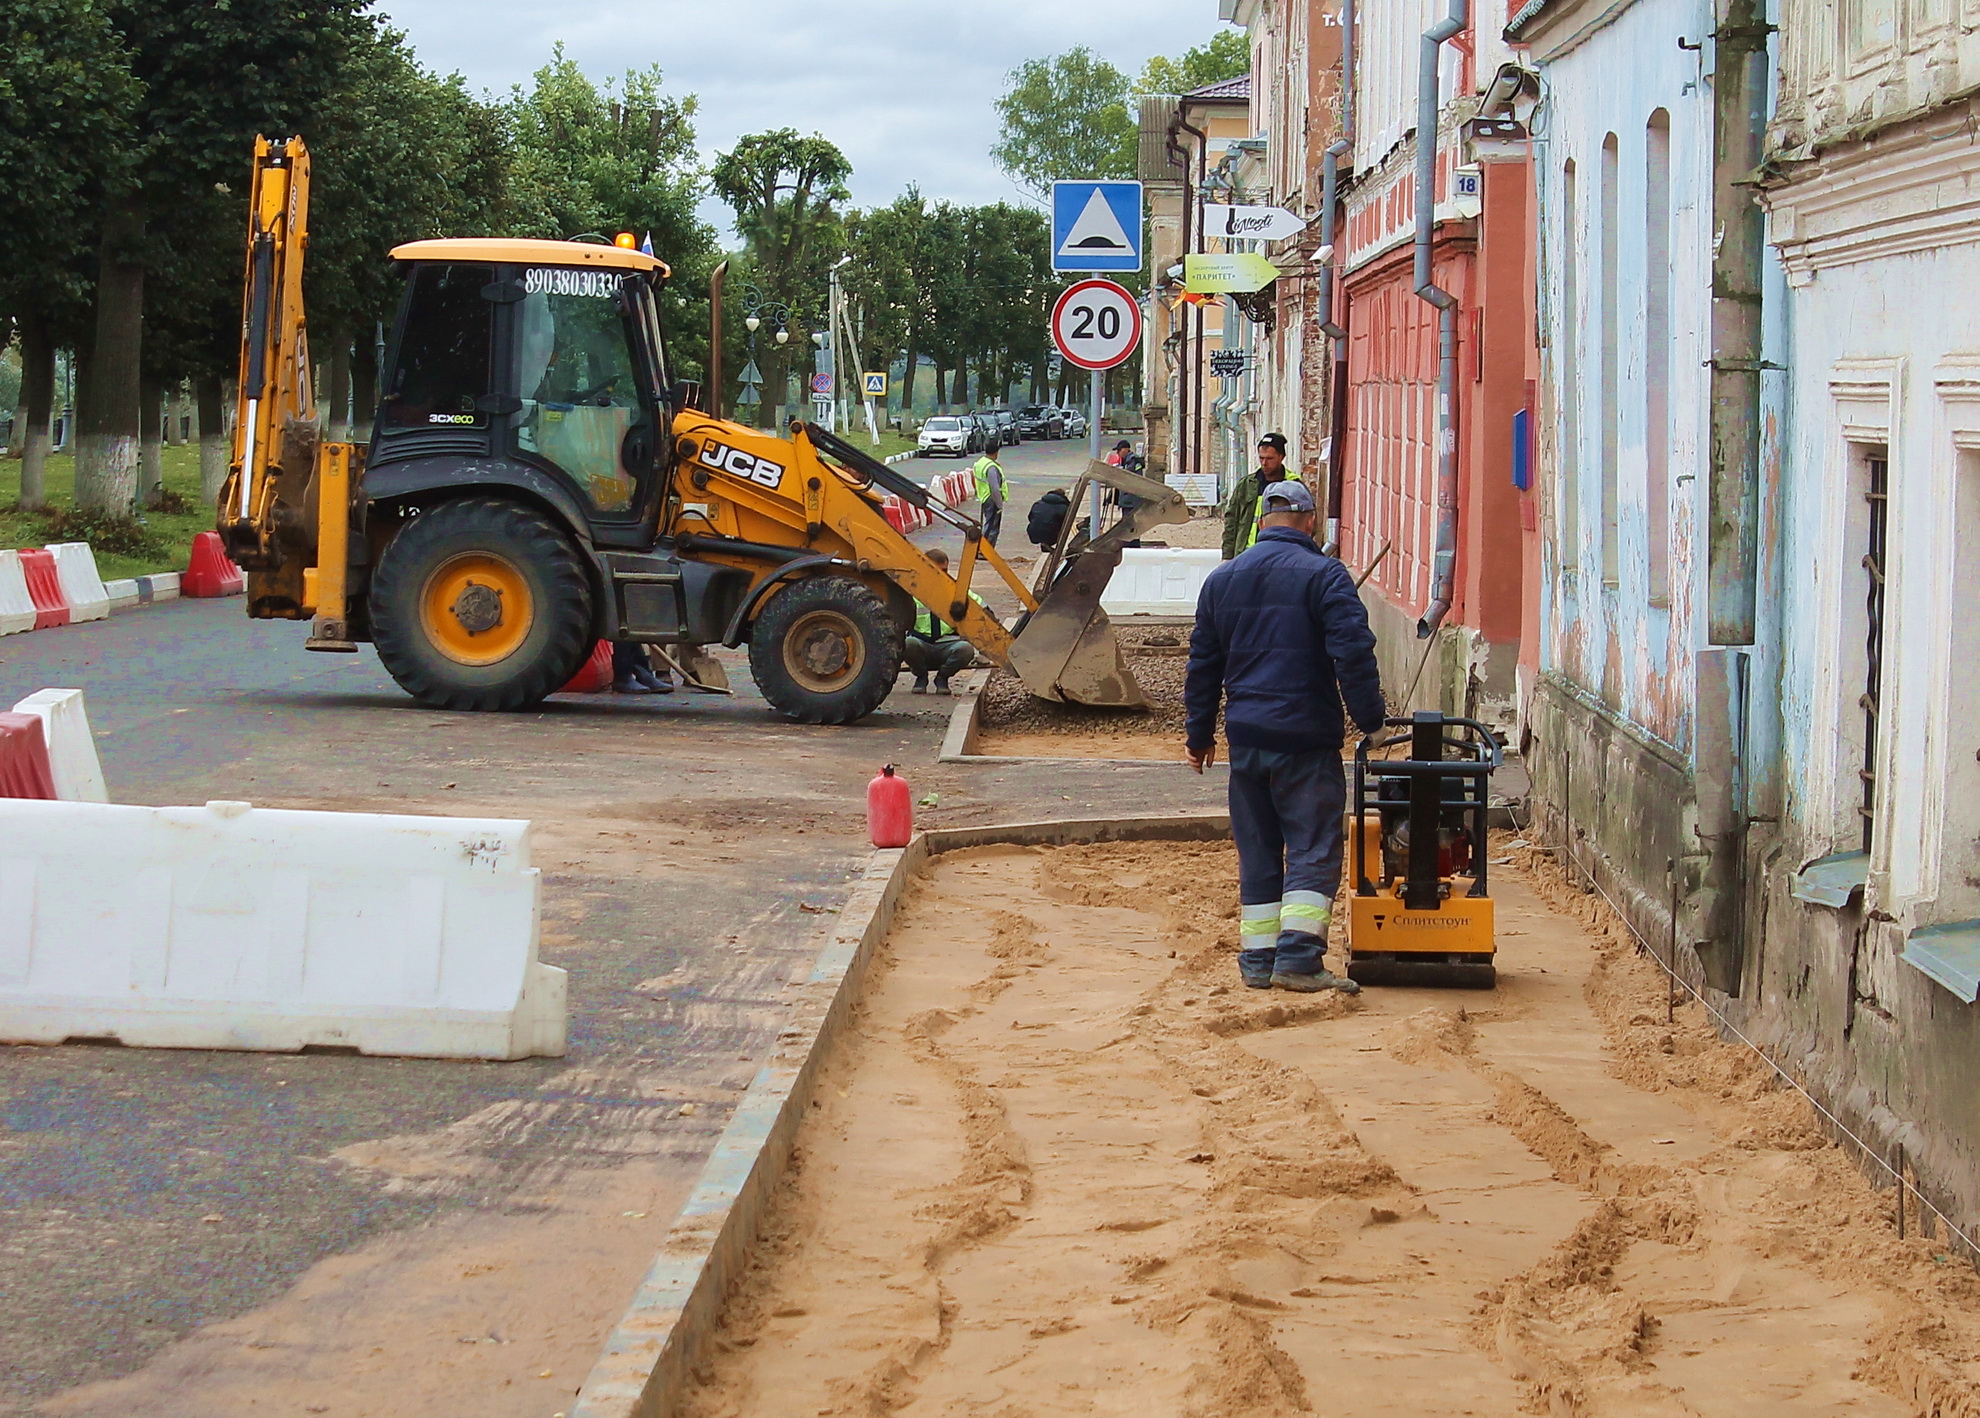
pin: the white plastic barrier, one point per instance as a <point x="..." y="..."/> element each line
<point x="233" y="927"/>
<point x="71" y="747"/>
<point x="16" y="605"/>
<point x="82" y="587"/>
<point x="1159" y="580"/>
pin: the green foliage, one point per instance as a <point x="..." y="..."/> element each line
<point x="1062" y="118"/>
<point x="1226" y="56"/>
<point x="405" y="154"/>
<point x="588" y="160"/>
<point x="784" y="189"/>
<point x="105" y="531"/>
<point x="66" y="100"/>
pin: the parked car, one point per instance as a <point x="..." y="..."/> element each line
<point x="943" y="435"/>
<point x="1041" y="421"/>
<point x="1075" y="423"/>
<point x="978" y="430"/>
<point x="1004" y="421"/>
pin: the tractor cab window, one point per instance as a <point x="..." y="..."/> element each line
<point x="442" y="372"/>
<point x="580" y="384"/>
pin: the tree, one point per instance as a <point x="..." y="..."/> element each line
<point x="1226" y="56"/>
<point x="1064" y="117"/>
<point x="784" y="188"/>
<point x="883" y="282"/>
<point x="592" y="161"/>
<point x="212" y="77"/>
<point x="66" y="94"/>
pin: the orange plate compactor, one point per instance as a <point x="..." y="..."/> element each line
<point x="1420" y="913"/>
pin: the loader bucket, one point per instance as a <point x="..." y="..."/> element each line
<point x="1067" y="650"/>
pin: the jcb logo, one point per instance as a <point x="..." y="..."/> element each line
<point x="737" y="463"/>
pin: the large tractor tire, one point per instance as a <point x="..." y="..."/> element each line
<point x="481" y="604"/>
<point x="826" y="650"/>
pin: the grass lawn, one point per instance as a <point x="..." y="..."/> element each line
<point x="172" y="532"/>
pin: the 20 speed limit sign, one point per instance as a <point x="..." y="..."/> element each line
<point x="1097" y="324"/>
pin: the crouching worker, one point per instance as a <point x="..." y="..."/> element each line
<point x="932" y="646"/>
<point x="1282" y="639"/>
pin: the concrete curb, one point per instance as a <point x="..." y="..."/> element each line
<point x="644" y="1367"/>
<point x="143" y="590"/>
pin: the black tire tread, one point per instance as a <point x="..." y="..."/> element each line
<point x="567" y="605"/>
<point x="865" y="694"/>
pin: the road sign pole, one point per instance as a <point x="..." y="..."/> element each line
<point x="1093" y="450"/>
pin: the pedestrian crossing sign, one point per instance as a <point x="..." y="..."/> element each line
<point x="876" y="383"/>
<point x="1096" y="226"/>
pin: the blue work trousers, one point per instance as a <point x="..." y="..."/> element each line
<point x="1286" y="820"/>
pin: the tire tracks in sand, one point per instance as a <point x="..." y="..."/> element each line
<point x="1064" y="1166"/>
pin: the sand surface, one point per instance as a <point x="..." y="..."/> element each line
<point x="1063" y="1165"/>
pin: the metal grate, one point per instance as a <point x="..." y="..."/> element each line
<point x="1874" y="562"/>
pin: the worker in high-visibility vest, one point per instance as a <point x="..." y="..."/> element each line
<point x="932" y="646"/>
<point x="1241" y="503"/>
<point x="990" y="490"/>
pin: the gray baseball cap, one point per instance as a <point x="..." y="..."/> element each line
<point x="1288" y="496"/>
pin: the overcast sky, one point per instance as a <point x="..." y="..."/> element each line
<point x="904" y="87"/>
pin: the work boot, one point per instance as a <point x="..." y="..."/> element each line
<point x="942" y="684"/>
<point x="629" y="684"/>
<point x="920" y="685"/>
<point x="1255" y="981"/>
<point x="655" y="682"/>
<point x="1313" y="984"/>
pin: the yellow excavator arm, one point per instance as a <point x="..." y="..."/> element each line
<point x="285" y="508"/>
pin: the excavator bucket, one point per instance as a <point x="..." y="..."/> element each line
<point x="1066" y="649"/>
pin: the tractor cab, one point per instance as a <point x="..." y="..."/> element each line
<point x="544" y="357"/>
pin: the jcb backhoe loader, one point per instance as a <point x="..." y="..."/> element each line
<point x="536" y="481"/>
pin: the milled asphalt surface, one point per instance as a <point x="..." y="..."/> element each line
<point x="681" y="838"/>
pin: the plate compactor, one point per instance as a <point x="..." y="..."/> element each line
<point x="1420" y="913"/>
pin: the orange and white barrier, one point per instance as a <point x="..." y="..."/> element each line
<point x="211" y="572"/>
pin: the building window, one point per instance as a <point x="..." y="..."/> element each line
<point x="1610" y="355"/>
<point x="1876" y="490"/>
<point x="1657" y="353"/>
<point x="1570" y="365"/>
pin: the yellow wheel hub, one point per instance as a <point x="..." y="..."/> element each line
<point x="477" y="608"/>
<point x="824" y="651"/>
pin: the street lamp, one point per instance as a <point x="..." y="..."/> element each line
<point x="759" y="309"/>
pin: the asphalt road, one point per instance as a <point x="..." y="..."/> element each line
<point x="158" y="1209"/>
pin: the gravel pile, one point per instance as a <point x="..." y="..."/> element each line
<point x="1158" y="656"/>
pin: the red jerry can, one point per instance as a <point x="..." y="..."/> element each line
<point x="889" y="809"/>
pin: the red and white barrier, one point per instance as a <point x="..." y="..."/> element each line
<point x="956" y="488"/>
<point x="594" y="676"/>
<point x="233" y="927"/>
<point x="17" y="611"/>
<point x="44" y="585"/>
<point x="82" y="585"/>
<point x="24" y="767"/>
<point x="903" y="515"/>
<point x="211" y="572"/>
<point x="72" y="761"/>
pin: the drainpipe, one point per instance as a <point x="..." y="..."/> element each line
<point x="1739" y="121"/>
<point x="1191" y="315"/>
<point x="1443" y="565"/>
<point x="1330" y="326"/>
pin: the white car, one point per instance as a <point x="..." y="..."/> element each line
<point x="942" y="435"/>
<point x="1075" y="423"/>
